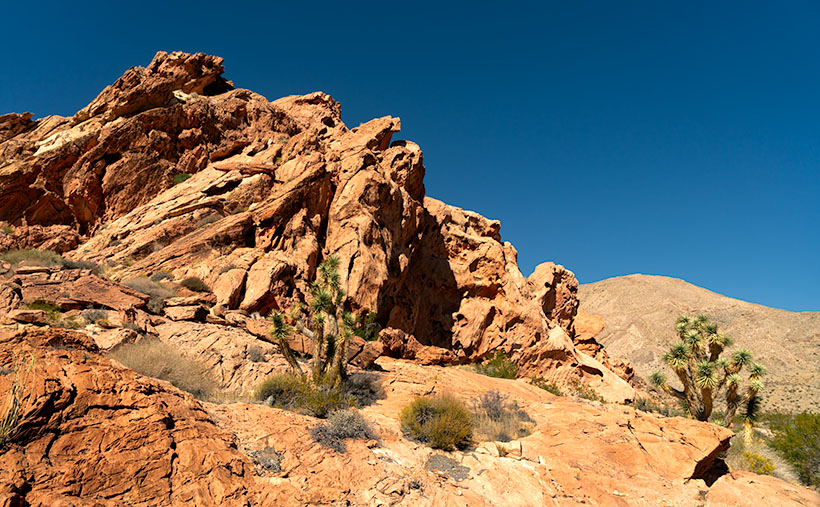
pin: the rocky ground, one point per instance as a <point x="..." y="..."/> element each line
<point x="171" y="173"/>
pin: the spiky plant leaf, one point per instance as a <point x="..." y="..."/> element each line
<point x="321" y="301"/>
<point x="678" y="356"/>
<point x="702" y="319"/>
<point x="705" y="374"/>
<point x="756" y="370"/>
<point x="756" y="385"/>
<point x="742" y="357"/>
<point x="751" y="410"/>
<point x="340" y="297"/>
<point x="721" y="363"/>
<point x="692" y="337"/>
<point x="733" y="380"/>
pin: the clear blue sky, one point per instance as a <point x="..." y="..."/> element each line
<point x="674" y="138"/>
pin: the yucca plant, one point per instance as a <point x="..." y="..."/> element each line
<point x="704" y="375"/>
<point x="326" y="323"/>
<point x="12" y="407"/>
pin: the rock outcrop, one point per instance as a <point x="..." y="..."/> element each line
<point x="170" y="168"/>
<point x="94" y="433"/>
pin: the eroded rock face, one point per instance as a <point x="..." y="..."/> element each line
<point x="94" y="433"/>
<point x="274" y="188"/>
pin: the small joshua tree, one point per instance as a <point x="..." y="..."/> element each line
<point x="696" y="361"/>
<point x="326" y="324"/>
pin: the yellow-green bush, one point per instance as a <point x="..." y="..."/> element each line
<point x="756" y="463"/>
<point x="442" y="422"/>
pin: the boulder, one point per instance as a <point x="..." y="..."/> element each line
<point x="99" y="434"/>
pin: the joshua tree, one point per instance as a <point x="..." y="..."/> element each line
<point x="327" y="325"/>
<point x="696" y="362"/>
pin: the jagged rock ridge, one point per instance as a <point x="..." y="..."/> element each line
<point x="275" y="187"/>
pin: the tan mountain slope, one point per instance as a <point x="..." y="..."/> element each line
<point x="640" y="311"/>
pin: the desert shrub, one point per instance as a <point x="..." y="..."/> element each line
<point x="340" y="425"/>
<point x="225" y="269"/>
<point x="498" y="365"/>
<point x="256" y="354"/>
<point x="214" y="217"/>
<point x="797" y="439"/>
<point x="290" y="392"/>
<point x="93" y="315"/>
<point x="195" y="284"/>
<point x="365" y="388"/>
<point x="267" y="459"/>
<point x="162" y="274"/>
<point x="756" y="463"/>
<point x="154" y="358"/>
<point x="581" y="390"/>
<point x="497" y="419"/>
<point x="52" y="311"/>
<point x="650" y="405"/>
<point x="546" y="385"/>
<point x="71" y="322"/>
<point x="157" y="292"/>
<point x="33" y="257"/>
<point x="13" y="404"/>
<point x="93" y="266"/>
<point x="8" y="230"/>
<point x="442" y="422"/>
<point x="180" y="177"/>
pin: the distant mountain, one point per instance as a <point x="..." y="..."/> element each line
<point x="640" y="311"/>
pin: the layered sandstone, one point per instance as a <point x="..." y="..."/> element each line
<point x="274" y="188"/>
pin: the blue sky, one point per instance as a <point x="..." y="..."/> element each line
<point x="674" y="138"/>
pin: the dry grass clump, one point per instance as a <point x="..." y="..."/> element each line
<point x="341" y="425"/>
<point x="154" y="358"/>
<point x="497" y="419"/>
<point x="755" y="456"/>
<point x="157" y="292"/>
<point x="440" y="421"/>
<point x="13" y="405"/>
<point x="45" y="258"/>
<point x="195" y="284"/>
<point x="32" y="257"/>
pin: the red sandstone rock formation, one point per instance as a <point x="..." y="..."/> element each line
<point x="274" y="188"/>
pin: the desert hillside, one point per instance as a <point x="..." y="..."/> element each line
<point x="640" y="311"/>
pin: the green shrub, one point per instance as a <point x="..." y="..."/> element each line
<point x="756" y="463"/>
<point x="442" y="422"/>
<point x="195" y="284"/>
<point x="154" y="358"/>
<point x="8" y="230"/>
<point x="53" y="311"/>
<point x="546" y="385"/>
<point x="290" y="392"/>
<point x="180" y="177"/>
<point x="340" y="425"/>
<point x="365" y="388"/>
<point x="797" y="439"/>
<point x="498" y="365"/>
<point x="496" y="419"/>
